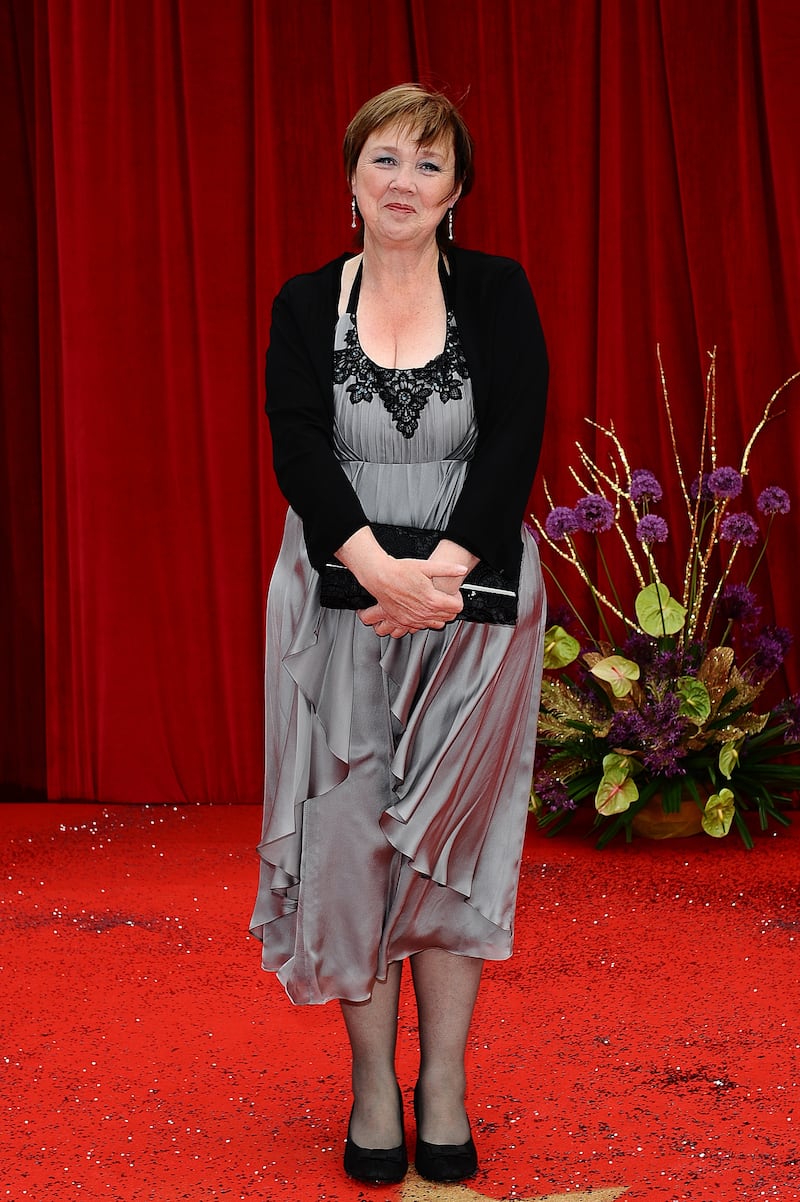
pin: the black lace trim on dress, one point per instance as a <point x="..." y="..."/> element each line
<point x="403" y="391"/>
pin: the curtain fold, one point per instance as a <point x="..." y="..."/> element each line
<point x="22" y="677"/>
<point x="171" y="162"/>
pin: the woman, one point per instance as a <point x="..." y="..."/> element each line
<point x="405" y="385"/>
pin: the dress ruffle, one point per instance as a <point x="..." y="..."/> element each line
<point x="453" y="767"/>
<point x="454" y="770"/>
<point x="398" y="771"/>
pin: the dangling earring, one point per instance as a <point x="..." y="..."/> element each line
<point x="450" y="225"/>
<point x="353" y="209"/>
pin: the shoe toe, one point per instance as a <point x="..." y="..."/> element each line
<point x="446" y="1162"/>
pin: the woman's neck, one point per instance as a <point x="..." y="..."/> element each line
<point x="400" y="268"/>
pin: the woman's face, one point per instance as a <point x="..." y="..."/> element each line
<point x="402" y="189"/>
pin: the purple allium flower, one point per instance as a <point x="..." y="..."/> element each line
<point x="662" y="667"/>
<point x="789" y="711"/>
<point x="552" y="792"/>
<point x="739" y="604"/>
<point x="628" y="728"/>
<point x="669" y="665"/>
<point x="657" y="731"/>
<point x="739" y="528"/>
<point x="773" y="500"/>
<point x="693" y="655"/>
<point x="652" y="529"/>
<point x="667" y="760"/>
<point x="700" y="486"/>
<point x="725" y="482"/>
<point x="560" y="522"/>
<point x="769" y="651"/>
<point x="644" y="486"/>
<point x="642" y="649"/>
<point x="559" y="615"/>
<point x="594" y="513"/>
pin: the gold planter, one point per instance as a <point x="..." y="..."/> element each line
<point x="653" y="823"/>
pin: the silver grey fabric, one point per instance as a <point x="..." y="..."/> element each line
<point x="397" y="770"/>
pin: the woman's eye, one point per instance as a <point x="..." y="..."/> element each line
<point x="386" y="160"/>
<point x="429" y="167"/>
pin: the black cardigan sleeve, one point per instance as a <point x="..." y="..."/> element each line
<point x="505" y="349"/>
<point x="300" y="411"/>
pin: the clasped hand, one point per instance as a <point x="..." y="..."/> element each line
<point x="414" y="594"/>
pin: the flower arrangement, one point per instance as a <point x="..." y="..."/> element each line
<point x="660" y="706"/>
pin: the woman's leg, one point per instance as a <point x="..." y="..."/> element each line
<point x="446" y="986"/>
<point x="372" y="1031"/>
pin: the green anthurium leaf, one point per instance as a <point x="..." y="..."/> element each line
<point x="729" y="757"/>
<point x="718" y="814"/>
<point x="695" y="702"/>
<point x="616" y="790"/>
<point x="560" y="648"/>
<point x="618" y="672"/>
<point x="658" y="612"/>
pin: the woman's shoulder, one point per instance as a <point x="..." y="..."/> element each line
<point x="308" y="302"/>
<point x="320" y="283"/>
<point x="480" y="264"/>
<point x="480" y="279"/>
<point x="478" y="274"/>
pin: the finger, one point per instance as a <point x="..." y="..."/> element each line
<point x="446" y="584"/>
<point x="413" y="612"/>
<point x="371" y="616"/>
<point x="443" y="568"/>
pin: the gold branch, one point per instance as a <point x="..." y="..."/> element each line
<point x="766" y="417"/>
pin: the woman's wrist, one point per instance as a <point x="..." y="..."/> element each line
<point x="363" y="555"/>
<point x="447" y="551"/>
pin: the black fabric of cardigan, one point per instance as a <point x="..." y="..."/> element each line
<point x="502" y="340"/>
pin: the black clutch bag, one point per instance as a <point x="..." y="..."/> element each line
<point x="488" y="595"/>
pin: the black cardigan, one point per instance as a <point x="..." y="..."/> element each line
<point x="502" y="340"/>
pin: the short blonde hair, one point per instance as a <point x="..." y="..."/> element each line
<point x="429" y="115"/>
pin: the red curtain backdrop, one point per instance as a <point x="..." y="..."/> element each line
<point x="168" y="163"/>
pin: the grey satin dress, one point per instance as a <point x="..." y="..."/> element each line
<point x="398" y="771"/>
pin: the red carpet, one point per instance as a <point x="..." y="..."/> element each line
<point x="643" y="1042"/>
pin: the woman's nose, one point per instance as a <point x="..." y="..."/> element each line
<point x="403" y="176"/>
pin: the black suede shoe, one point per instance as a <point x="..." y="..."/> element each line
<point x="376" y="1166"/>
<point x="443" y="1162"/>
